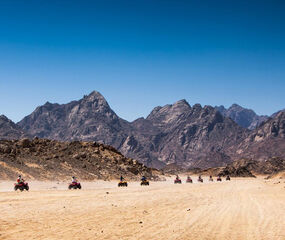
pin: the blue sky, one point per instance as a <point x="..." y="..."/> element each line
<point x="140" y="54"/>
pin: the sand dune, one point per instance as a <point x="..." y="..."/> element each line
<point x="240" y="209"/>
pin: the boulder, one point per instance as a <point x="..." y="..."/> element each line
<point x="25" y="143"/>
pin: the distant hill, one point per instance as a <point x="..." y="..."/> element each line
<point x="244" y="117"/>
<point x="249" y="168"/>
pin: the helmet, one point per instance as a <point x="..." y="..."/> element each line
<point x="73" y="177"/>
<point x="20" y="176"/>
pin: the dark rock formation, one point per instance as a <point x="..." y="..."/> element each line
<point x="88" y="119"/>
<point x="244" y="117"/>
<point x="266" y="141"/>
<point x="49" y="160"/>
<point x="9" y="130"/>
<point x="250" y="168"/>
<point x="189" y="136"/>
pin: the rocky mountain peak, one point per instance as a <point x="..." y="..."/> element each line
<point x="89" y="118"/>
<point x="197" y="106"/>
<point x="235" y="105"/>
<point x="48" y="103"/>
<point x="95" y="97"/>
<point x="46" y="107"/>
<point x="3" y="118"/>
<point x="244" y="117"/>
<point x="182" y="104"/>
<point x="169" y="113"/>
<point x="94" y="102"/>
<point x="274" y="127"/>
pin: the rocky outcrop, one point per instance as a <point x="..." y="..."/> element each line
<point x="9" y="130"/>
<point x="45" y="159"/>
<point x="275" y="114"/>
<point x="244" y="117"/>
<point x="266" y="141"/>
<point x="250" y="168"/>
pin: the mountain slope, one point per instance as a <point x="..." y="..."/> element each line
<point x="54" y="160"/>
<point x="88" y="119"/>
<point x="266" y="141"/>
<point x="244" y="117"/>
<point x="249" y="168"/>
<point x="189" y="137"/>
<point x="9" y="130"/>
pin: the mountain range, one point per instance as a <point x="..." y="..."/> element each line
<point x="188" y="136"/>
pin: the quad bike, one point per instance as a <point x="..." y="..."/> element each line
<point x="21" y="186"/>
<point x="200" y="180"/>
<point x="228" y="178"/>
<point x="219" y="179"/>
<point x="74" y="185"/>
<point x="189" y="180"/>
<point x="177" y="181"/>
<point x="122" y="184"/>
<point x="145" y="182"/>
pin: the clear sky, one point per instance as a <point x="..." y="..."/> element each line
<point x="142" y="53"/>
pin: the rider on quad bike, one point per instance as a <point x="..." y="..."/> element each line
<point x="144" y="181"/>
<point x="200" y="178"/>
<point x="189" y="179"/>
<point x="211" y="178"/>
<point x="20" y="179"/>
<point x="74" y="184"/>
<point x="74" y="180"/>
<point x="21" y="185"/>
<point x="177" y="179"/>
<point x="122" y="182"/>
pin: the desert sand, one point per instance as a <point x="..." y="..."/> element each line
<point x="239" y="209"/>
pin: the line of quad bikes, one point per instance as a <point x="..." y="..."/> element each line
<point x="76" y="185"/>
<point x="177" y="180"/>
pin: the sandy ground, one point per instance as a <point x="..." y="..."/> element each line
<point x="239" y="209"/>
